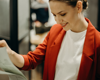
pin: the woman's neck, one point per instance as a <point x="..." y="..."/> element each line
<point x="80" y="25"/>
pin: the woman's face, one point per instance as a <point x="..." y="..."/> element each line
<point x="64" y="14"/>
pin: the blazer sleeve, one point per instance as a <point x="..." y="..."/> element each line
<point x="33" y="58"/>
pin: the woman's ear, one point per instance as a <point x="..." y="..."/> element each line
<point x="79" y="6"/>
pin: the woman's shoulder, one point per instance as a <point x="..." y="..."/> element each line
<point x="56" y="28"/>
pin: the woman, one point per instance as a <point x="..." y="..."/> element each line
<point x="71" y="50"/>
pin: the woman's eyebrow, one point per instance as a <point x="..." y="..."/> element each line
<point x="58" y="12"/>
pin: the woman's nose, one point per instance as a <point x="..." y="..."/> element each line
<point x="58" y="20"/>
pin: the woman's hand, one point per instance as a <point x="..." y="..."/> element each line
<point x="16" y="58"/>
<point x="3" y="43"/>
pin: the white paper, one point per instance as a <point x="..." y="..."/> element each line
<point x="8" y="67"/>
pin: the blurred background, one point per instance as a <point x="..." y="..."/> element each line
<point x="25" y="23"/>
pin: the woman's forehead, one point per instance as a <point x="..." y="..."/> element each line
<point x="57" y="6"/>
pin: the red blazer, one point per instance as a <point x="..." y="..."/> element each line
<point x="49" y="49"/>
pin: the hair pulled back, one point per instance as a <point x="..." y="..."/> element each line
<point x="74" y="2"/>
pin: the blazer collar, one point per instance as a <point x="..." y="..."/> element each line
<point x="88" y="52"/>
<point x="88" y="47"/>
<point x="59" y="38"/>
<point x="89" y="40"/>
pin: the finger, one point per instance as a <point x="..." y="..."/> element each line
<point x="2" y="43"/>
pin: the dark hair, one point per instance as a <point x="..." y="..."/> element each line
<point x="74" y="2"/>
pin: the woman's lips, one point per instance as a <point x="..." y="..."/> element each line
<point x="63" y="25"/>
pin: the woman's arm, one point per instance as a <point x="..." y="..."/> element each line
<point x="16" y="59"/>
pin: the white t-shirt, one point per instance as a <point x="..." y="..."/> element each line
<point x="69" y="57"/>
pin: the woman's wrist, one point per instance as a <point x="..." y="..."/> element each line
<point x="9" y="51"/>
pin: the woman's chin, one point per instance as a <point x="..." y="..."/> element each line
<point x="66" y="29"/>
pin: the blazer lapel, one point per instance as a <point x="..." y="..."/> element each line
<point x="59" y="38"/>
<point x="88" y="51"/>
<point x="54" y="50"/>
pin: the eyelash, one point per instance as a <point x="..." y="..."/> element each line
<point x="61" y="14"/>
<point x="54" y="15"/>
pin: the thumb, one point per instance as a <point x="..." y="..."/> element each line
<point x="3" y="43"/>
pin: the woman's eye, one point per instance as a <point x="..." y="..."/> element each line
<point x="63" y="14"/>
<point x="54" y="15"/>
